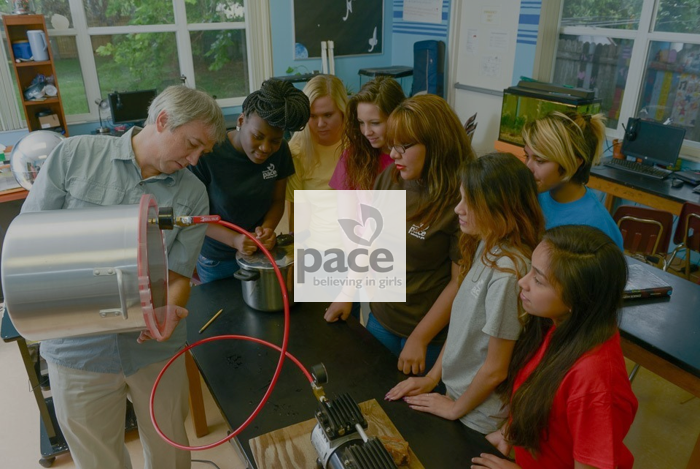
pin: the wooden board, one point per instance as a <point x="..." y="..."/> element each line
<point x="291" y="447"/>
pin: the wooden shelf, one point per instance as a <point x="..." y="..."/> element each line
<point x="9" y="195"/>
<point x="31" y="63"/>
<point x="45" y="101"/>
<point x="16" y="27"/>
<point x="24" y="20"/>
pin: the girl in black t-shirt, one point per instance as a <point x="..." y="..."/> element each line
<point x="246" y="176"/>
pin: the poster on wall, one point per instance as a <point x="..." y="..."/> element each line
<point x="687" y="102"/>
<point x="356" y="27"/>
<point x="423" y="11"/>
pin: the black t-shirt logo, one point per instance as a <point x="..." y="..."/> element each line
<point x="270" y="172"/>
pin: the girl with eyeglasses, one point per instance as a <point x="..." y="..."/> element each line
<point x="501" y="223"/>
<point x="428" y="147"/>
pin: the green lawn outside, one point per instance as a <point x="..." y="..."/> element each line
<point x="227" y="82"/>
<point x="72" y="87"/>
<point x="230" y="81"/>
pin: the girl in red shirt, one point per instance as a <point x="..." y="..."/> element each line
<point x="571" y="403"/>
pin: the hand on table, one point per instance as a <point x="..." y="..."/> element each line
<point x="171" y="315"/>
<point x="411" y="387"/>
<point x="489" y="461"/>
<point x="433" y="403"/>
<point x="338" y="310"/>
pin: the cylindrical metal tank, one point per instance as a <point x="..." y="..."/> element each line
<point x="78" y="272"/>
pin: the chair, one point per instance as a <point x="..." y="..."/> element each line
<point x="397" y="72"/>
<point x="428" y="68"/>
<point x="687" y="235"/>
<point x="646" y="233"/>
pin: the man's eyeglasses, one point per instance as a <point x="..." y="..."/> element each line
<point x="401" y="149"/>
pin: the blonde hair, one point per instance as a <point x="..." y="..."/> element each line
<point x="574" y="141"/>
<point x="429" y="120"/>
<point x="318" y="87"/>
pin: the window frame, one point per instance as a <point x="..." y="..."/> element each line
<point x="258" y="51"/>
<point x="546" y="51"/>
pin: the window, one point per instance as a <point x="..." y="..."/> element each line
<point x="642" y="57"/>
<point x="127" y="45"/>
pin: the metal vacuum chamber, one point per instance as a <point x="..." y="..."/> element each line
<point x="79" y="272"/>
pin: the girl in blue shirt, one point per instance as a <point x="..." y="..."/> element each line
<point x="560" y="150"/>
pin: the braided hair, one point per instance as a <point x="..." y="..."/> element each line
<point x="279" y="104"/>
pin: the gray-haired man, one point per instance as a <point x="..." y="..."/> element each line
<point x="92" y="376"/>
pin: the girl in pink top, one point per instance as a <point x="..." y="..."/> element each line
<point x="366" y="151"/>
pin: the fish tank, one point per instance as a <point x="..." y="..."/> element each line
<point x="529" y="101"/>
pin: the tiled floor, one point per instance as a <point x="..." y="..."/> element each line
<point x="19" y="425"/>
<point x="666" y="426"/>
<point x="662" y="437"/>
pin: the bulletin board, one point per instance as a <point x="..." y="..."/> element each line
<point x="486" y="44"/>
<point x="356" y="27"/>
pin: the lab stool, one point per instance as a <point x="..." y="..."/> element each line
<point x="397" y="72"/>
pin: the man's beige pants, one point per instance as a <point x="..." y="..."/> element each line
<point x="91" y="409"/>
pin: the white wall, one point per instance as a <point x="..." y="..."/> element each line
<point x="488" y="107"/>
<point x="519" y="20"/>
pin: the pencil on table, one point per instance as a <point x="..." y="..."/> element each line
<point x="211" y="320"/>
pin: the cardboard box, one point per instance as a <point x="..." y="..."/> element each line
<point x="49" y="122"/>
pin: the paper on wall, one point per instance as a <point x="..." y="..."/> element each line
<point x="491" y="15"/>
<point x="423" y="11"/>
<point x="472" y="44"/>
<point x="490" y="66"/>
<point x="498" y="40"/>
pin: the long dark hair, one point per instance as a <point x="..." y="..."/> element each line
<point x="590" y="273"/>
<point x="501" y="195"/>
<point x="362" y="163"/>
<point x="429" y="120"/>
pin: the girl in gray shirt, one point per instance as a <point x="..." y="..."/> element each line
<point x="501" y="223"/>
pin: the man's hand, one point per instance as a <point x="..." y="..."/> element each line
<point x="169" y="317"/>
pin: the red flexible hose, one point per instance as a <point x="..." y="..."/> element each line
<point x="278" y="370"/>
